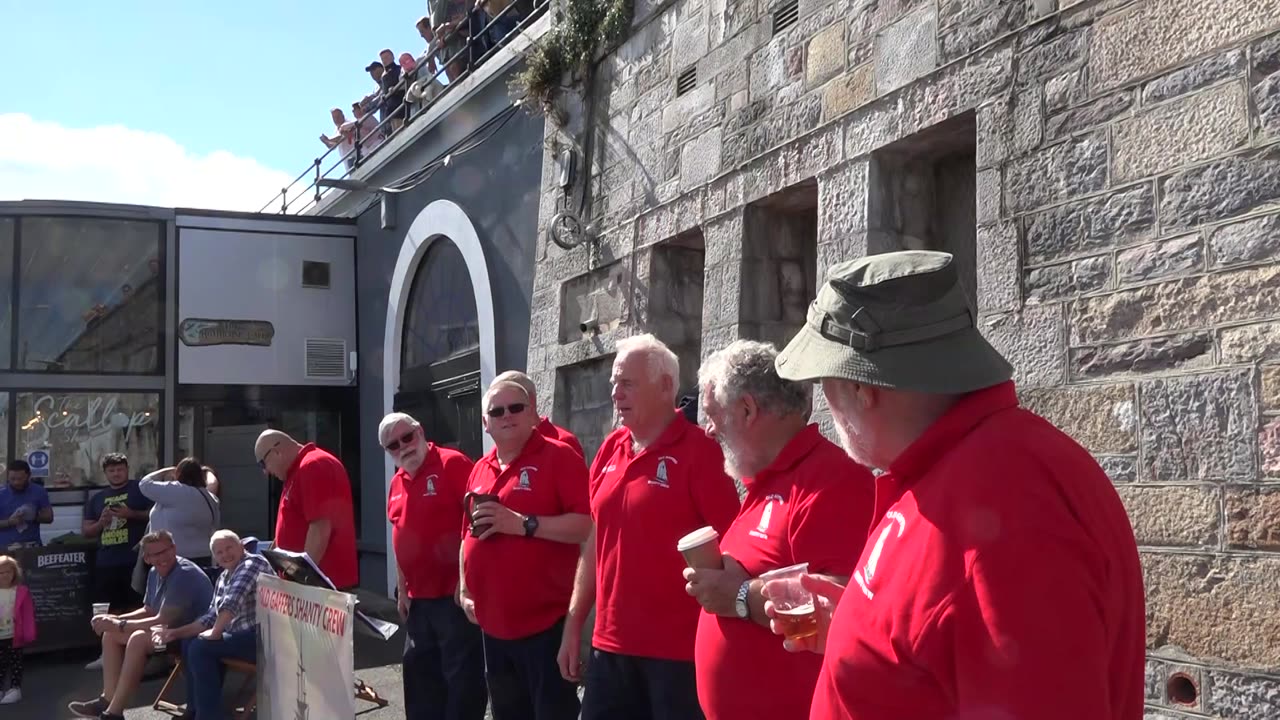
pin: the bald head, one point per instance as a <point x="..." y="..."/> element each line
<point x="524" y="381"/>
<point x="275" y="451"/>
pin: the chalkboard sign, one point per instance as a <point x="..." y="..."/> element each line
<point x="59" y="578"/>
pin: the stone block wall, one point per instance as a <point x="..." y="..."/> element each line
<point x="1125" y="233"/>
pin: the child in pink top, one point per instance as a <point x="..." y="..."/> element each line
<point x="17" y="627"/>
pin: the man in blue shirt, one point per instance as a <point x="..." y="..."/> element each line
<point x="178" y="591"/>
<point x="23" y="506"/>
<point x="117" y="516"/>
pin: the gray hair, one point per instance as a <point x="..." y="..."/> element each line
<point x="661" y="360"/>
<point x="519" y="378"/>
<point x="392" y="420"/>
<point x="223" y="535"/>
<point x="495" y="387"/>
<point x="746" y="367"/>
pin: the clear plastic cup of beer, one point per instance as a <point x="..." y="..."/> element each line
<point x="792" y="604"/>
<point x="157" y="639"/>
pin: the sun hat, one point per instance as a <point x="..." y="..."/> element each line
<point x="896" y="320"/>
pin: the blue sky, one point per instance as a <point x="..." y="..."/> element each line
<point x="234" y="84"/>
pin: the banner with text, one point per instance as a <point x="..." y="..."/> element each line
<point x="306" y="664"/>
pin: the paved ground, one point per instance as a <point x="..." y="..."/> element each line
<point x="53" y="680"/>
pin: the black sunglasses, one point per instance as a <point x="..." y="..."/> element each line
<point x="513" y="408"/>
<point x="262" y="462"/>
<point x="404" y="439"/>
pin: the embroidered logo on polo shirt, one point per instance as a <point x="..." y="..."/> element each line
<point x="762" y="529"/>
<point x="660" y="477"/>
<point x="865" y="575"/>
<point x="523" y="482"/>
<point x="396" y="497"/>
<point x="431" y="486"/>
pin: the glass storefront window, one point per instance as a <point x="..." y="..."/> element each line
<point x="78" y="428"/>
<point x="91" y="294"/>
<point x="6" y="290"/>
<point x="4" y="427"/>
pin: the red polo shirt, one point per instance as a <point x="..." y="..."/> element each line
<point x="425" y="511"/>
<point x="555" y="432"/>
<point x="642" y="505"/>
<point x="1002" y="581"/>
<point x="812" y="504"/>
<point x="316" y="487"/>
<point x="521" y="586"/>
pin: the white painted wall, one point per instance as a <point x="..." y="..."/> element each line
<point x="242" y="272"/>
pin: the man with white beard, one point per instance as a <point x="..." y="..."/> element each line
<point x="1002" y="568"/>
<point x="806" y="502"/>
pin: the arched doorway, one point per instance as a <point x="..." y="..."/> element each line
<point x="440" y="382"/>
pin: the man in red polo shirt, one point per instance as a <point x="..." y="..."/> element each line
<point x="654" y="480"/>
<point x="443" y="659"/>
<point x="315" y="513"/>
<point x="807" y="502"/>
<point x="1002" y="578"/>
<point x="519" y="554"/>
<point x="546" y="427"/>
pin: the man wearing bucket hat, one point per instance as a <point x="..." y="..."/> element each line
<point x="1002" y="568"/>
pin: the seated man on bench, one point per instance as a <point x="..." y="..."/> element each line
<point x="228" y="630"/>
<point x="177" y="592"/>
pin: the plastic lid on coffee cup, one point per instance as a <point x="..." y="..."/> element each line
<point x="701" y="536"/>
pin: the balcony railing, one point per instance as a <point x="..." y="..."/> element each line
<point x="305" y="191"/>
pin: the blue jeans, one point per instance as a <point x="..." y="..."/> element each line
<point x="203" y="663"/>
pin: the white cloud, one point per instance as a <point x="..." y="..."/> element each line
<point x="112" y="163"/>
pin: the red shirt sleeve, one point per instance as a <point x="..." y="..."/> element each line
<point x="828" y="527"/>
<point x="571" y="479"/>
<point x="1022" y="629"/>
<point x="715" y="495"/>
<point x="598" y="463"/>
<point x="325" y="491"/>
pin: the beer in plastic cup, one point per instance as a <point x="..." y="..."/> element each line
<point x="156" y="642"/>
<point x="701" y="548"/>
<point x="792" y="604"/>
<point x="101" y="608"/>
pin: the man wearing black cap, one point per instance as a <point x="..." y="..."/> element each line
<point x="1002" y="570"/>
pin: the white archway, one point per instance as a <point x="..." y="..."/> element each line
<point x="441" y="218"/>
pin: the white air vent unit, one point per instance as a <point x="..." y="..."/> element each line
<point x="326" y="359"/>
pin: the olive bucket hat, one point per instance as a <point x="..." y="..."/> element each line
<point x="896" y="320"/>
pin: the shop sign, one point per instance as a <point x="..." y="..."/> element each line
<point x="202" y="332"/>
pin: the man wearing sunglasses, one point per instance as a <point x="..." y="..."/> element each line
<point x="545" y="426"/>
<point x="519" y="555"/>
<point x="443" y="657"/>
<point x="315" y="514"/>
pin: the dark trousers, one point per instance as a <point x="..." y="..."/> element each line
<point x="625" y="687"/>
<point x="202" y="660"/>
<point x="524" y="678"/>
<point x="10" y="665"/>
<point x="443" y="663"/>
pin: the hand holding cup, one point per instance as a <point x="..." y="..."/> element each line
<point x="800" y="606"/>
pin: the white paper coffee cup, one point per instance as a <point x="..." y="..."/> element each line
<point x="701" y="548"/>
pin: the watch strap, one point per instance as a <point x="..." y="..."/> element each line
<point x="740" y="603"/>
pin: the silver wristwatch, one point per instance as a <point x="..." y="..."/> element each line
<point x="740" y="604"/>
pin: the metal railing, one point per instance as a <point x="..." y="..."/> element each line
<point x="366" y="143"/>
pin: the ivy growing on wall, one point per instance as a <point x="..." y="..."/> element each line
<point x="581" y="29"/>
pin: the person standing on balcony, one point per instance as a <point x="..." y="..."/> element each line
<point x="367" y="125"/>
<point x="545" y="426"/>
<point x="450" y="24"/>
<point x="518" y="557"/>
<point x="316" y="514"/>
<point x="392" y="93"/>
<point x="443" y="654"/>
<point x="343" y="139"/>
<point x="654" y="480"/>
